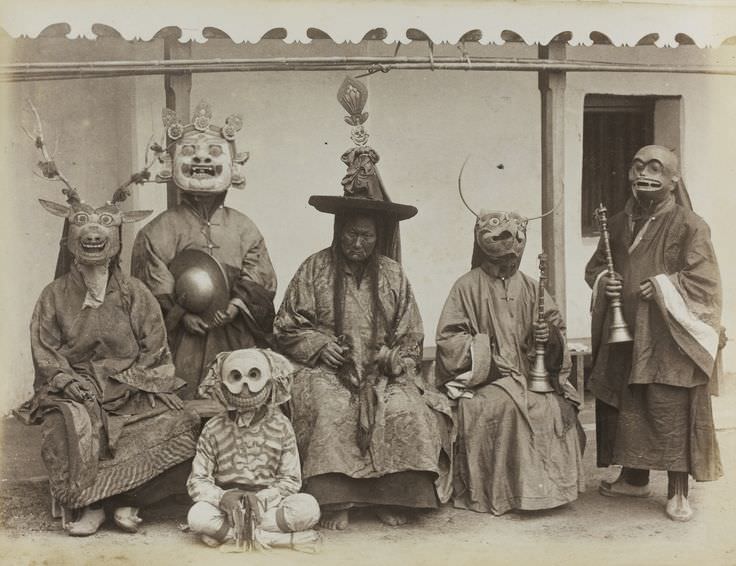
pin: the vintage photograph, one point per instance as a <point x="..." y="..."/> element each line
<point x="341" y="282"/>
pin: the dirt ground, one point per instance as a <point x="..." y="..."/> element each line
<point x="594" y="529"/>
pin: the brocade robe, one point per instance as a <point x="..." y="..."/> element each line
<point x="236" y="243"/>
<point x="515" y="449"/>
<point x="409" y="430"/>
<point x="118" y="442"/>
<point x="654" y="409"/>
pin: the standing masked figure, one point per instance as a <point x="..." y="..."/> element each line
<point x="206" y="264"/>
<point x="653" y="408"/>
<point x="516" y="449"/>
<point x="114" y="433"/>
<point x="369" y="431"/>
<point x="246" y="475"/>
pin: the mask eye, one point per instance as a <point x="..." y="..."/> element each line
<point x="494" y="221"/>
<point x="106" y="219"/>
<point x="655" y="167"/>
<point x="215" y="150"/>
<point x="187" y="150"/>
<point x="235" y="375"/>
<point x="254" y="373"/>
<point x="80" y="218"/>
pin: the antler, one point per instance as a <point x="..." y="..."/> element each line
<point x="153" y="150"/>
<point x="460" y="187"/>
<point x="48" y="166"/>
<point x="460" y="190"/>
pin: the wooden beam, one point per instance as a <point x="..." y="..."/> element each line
<point x="552" y="90"/>
<point x="178" y="88"/>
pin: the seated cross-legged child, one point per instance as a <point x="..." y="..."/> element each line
<point x="246" y="473"/>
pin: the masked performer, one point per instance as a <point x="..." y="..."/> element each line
<point x="104" y="383"/>
<point x="207" y="264"/>
<point x="367" y="427"/>
<point x="246" y="474"/>
<point x="653" y="409"/>
<point x="516" y="449"/>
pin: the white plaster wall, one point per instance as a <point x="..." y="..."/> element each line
<point x="423" y="125"/>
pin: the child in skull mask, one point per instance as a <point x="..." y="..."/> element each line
<point x="247" y="467"/>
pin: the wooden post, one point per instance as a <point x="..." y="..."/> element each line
<point x="552" y="89"/>
<point x="178" y="87"/>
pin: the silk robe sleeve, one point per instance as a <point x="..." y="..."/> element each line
<point x="52" y="370"/>
<point x="299" y="332"/>
<point x="698" y="279"/>
<point x="153" y="369"/>
<point x="254" y="289"/>
<point x="462" y="349"/>
<point x="408" y="332"/>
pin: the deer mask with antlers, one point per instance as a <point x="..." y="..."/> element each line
<point x="92" y="234"/>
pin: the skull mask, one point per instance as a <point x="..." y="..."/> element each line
<point x="654" y="174"/>
<point x="245" y="380"/>
<point x="245" y="369"/>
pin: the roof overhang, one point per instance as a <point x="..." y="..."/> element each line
<point x="622" y="22"/>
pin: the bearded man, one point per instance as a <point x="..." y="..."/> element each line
<point x="653" y="408"/>
<point x="207" y="264"/>
<point x="516" y="449"/>
<point x="369" y="431"/>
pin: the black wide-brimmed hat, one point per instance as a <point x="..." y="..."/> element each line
<point x="363" y="190"/>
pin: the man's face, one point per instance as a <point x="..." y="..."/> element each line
<point x="203" y="163"/>
<point x="653" y="174"/>
<point x="358" y="238"/>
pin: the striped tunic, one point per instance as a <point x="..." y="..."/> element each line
<point x="260" y="455"/>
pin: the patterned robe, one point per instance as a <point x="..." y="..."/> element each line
<point x="409" y="431"/>
<point x="108" y="446"/>
<point x="232" y="239"/>
<point x="515" y="449"/>
<point x="654" y="409"/>
<point x="253" y="452"/>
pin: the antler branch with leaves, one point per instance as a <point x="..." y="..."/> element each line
<point x="47" y="165"/>
<point x="153" y="152"/>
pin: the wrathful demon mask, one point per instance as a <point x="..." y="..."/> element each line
<point x="204" y="159"/>
<point x="654" y="174"/>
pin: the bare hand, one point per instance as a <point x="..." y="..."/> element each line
<point x="226" y="316"/>
<point x="614" y="287"/>
<point x="79" y="391"/>
<point x="541" y="332"/>
<point x="332" y="355"/>
<point x="171" y="400"/>
<point x="194" y="324"/>
<point x="646" y="289"/>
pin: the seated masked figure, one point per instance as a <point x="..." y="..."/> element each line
<point x="114" y="432"/>
<point x="246" y="474"/>
<point x="206" y="263"/>
<point x="516" y="449"/>
<point x="368" y="429"/>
